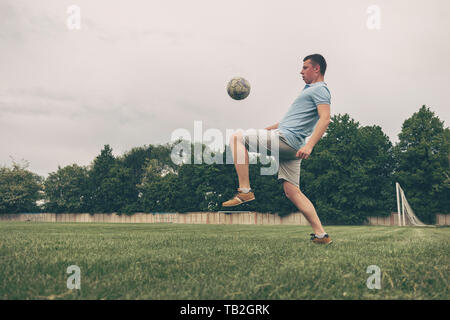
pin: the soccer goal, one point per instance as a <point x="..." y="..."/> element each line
<point x="406" y="214"/>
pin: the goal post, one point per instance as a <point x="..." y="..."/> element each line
<point x="406" y="214"/>
<point x="399" y="215"/>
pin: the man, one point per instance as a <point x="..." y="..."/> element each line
<point x="309" y="115"/>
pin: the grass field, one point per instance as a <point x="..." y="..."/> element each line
<point x="176" y="261"/>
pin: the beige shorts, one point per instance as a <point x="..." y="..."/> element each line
<point x="288" y="163"/>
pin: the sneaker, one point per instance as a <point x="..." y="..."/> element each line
<point x="325" y="240"/>
<point x="239" y="198"/>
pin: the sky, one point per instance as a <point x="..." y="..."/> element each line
<point x="137" y="71"/>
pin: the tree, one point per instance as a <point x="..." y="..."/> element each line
<point x="158" y="192"/>
<point x="193" y="187"/>
<point x="422" y="164"/>
<point x="146" y="166"/>
<point x="119" y="190"/>
<point x="101" y="197"/>
<point x="20" y="189"/>
<point x="66" y="190"/>
<point x="136" y="160"/>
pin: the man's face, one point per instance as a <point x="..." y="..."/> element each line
<point x="309" y="72"/>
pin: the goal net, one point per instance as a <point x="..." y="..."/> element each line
<point x="406" y="216"/>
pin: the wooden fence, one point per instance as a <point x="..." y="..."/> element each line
<point x="443" y="219"/>
<point x="392" y="220"/>
<point x="244" y="217"/>
<point x="189" y="218"/>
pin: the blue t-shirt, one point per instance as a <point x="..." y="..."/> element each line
<point x="299" y="122"/>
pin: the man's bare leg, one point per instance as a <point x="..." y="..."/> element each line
<point x="240" y="158"/>
<point x="304" y="205"/>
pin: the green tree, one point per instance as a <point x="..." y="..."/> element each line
<point x="152" y="174"/>
<point x="20" y="189"/>
<point x="136" y="160"/>
<point x="66" y="190"/>
<point x="101" y="197"/>
<point x="120" y="190"/>
<point x="194" y="188"/>
<point x="158" y="190"/>
<point x="422" y="164"/>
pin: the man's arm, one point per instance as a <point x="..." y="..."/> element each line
<point x="273" y="126"/>
<point x="321" y="127"/>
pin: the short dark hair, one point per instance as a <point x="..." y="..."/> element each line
<point x="317" y="59"/>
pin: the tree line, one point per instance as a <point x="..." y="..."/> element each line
<point x="349" y="176"/>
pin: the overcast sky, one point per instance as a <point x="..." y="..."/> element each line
<point x="138" y="70"/>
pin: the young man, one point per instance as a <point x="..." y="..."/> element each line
<point x="309" y="115"/>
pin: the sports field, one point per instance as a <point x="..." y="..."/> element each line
<point x="175" y="261"/>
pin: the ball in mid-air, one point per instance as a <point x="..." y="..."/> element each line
<point x="238" y="88"/>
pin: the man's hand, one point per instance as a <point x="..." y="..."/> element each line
<point x="275" y="126"/>
<point x="321" y="127"/>
<point x="304" y="152"/>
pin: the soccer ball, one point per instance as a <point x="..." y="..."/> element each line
<point x="238" y="88"/>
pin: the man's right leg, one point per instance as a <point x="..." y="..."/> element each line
<point x="241" y="162"/>
<point x="240" y="158"/>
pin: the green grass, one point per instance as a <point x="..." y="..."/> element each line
<point x="176" y="261"/>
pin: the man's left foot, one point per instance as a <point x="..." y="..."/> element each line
<point x="324" y="240"/>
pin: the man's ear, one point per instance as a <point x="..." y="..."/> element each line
<point x="317" y="68"/>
